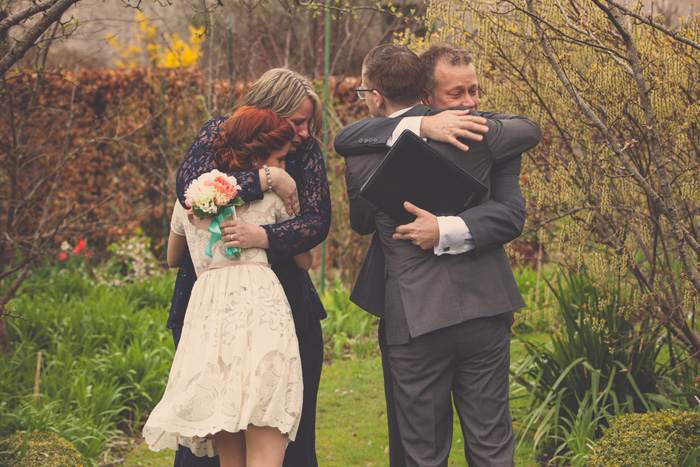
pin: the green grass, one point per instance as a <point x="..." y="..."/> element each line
<point x="143" y="457"/>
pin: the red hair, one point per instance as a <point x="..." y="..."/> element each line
<point x="249" y="135"/>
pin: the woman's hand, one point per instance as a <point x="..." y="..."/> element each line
<point x="304" y="260"/>
<point x="243" y="235"/>
<point x="284" y="185"/>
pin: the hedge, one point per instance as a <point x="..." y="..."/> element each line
<point x="655" y="439"/>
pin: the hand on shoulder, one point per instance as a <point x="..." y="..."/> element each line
<point x="449" y="125"/>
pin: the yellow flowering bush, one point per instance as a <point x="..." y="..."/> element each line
<point x="169" y="52"/>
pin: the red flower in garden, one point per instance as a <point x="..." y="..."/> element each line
<point x="80" y="247"/>
<point x="63" y="256"/>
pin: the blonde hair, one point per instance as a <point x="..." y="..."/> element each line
<point x="283" y="90"/>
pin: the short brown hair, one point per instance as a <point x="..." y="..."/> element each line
<point x="396" y="72"/>
<point x="442" y="52"/>
<point x="250" y="135"/>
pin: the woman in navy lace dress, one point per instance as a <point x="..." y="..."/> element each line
<point x="304" y="188"/>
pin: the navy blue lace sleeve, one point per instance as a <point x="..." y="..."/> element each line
<point x="199" y="160"/>
<point x="310" y="227"/>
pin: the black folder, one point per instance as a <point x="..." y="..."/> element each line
<point x="414" y="171"/>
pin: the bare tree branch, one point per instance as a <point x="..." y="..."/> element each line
<point x="20" y="16"/>
<point x="664" y="202"/>
<point x="655" y="25"/>
<point x="47" y="19"/>
<point x="671" y="208"/>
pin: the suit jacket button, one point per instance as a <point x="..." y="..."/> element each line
<point x="361" y="141"/>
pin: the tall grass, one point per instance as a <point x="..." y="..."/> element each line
<point x="602" y="362"/>
<point x="349" y="331"/>
<point x="105" y="356"/>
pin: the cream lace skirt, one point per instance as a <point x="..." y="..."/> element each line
<point x="237" y="362"/>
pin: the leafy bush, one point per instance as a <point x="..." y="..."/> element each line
<point x="349" y="331"/>
<point x="105" y="356"/>
<point x="666" y="438"/>
<point x="38" y="449"/>
<point x="599" y="365"/>
<point x="539" y="314"/>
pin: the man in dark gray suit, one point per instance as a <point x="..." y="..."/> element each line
<point x="445" y="317"/>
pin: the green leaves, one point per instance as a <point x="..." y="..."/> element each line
<point x="106" y="353"/>
<point x="657" y="439"/>
<point x="600" y="364"/>
<point x="349" y="332"/>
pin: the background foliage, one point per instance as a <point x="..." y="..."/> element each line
<point x="615" y="180"/>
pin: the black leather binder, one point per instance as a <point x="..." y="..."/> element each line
<point x="414" y="171"/>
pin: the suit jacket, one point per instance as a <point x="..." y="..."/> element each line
<point x="433" y="292"/>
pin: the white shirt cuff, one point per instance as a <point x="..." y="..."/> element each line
<point x="455" y="237"/>
<point x="406" y="123"/>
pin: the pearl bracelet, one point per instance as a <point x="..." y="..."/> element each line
<point x="269" y="177"/>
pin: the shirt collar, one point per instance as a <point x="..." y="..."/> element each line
<point x="400" y="112"/>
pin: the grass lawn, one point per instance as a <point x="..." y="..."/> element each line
<point x="351" y="420"/>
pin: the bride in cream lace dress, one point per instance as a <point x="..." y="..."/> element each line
<point x="237" y="366"/>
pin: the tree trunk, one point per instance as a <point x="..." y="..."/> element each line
<point x="4" y="336"/>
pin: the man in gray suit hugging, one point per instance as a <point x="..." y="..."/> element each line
<point x="445" y="297"/>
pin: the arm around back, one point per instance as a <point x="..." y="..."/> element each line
<point x="363" y="136"/>
<point x="510" y="135"/>
<point x="311" y="226"/>
<point x="501" y="219"/>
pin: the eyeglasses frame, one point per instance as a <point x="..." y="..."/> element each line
<point x="360" y="92"/>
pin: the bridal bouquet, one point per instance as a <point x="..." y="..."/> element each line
<point x="214" y="194"/>
<point x="211" y="193"/>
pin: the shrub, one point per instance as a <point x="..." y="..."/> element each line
<point x="43" y="449"/>
<point x="349" y="331"/>
<point x="105" y="356"/>
<point x="600" y="364"/>
<point x="655" y="439"/>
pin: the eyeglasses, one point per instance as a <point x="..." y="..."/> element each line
<point x="361" y="92"/>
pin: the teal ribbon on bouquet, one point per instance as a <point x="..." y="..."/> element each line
<point x="216" y="234"/>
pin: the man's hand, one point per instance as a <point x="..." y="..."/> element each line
<point x="286" y="188"/>
<point x="243" y="235"/>
<point x="423" y="232"/>
<point x="449" y="125"/>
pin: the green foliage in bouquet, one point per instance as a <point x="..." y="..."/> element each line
<point x="236" y="201"/>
